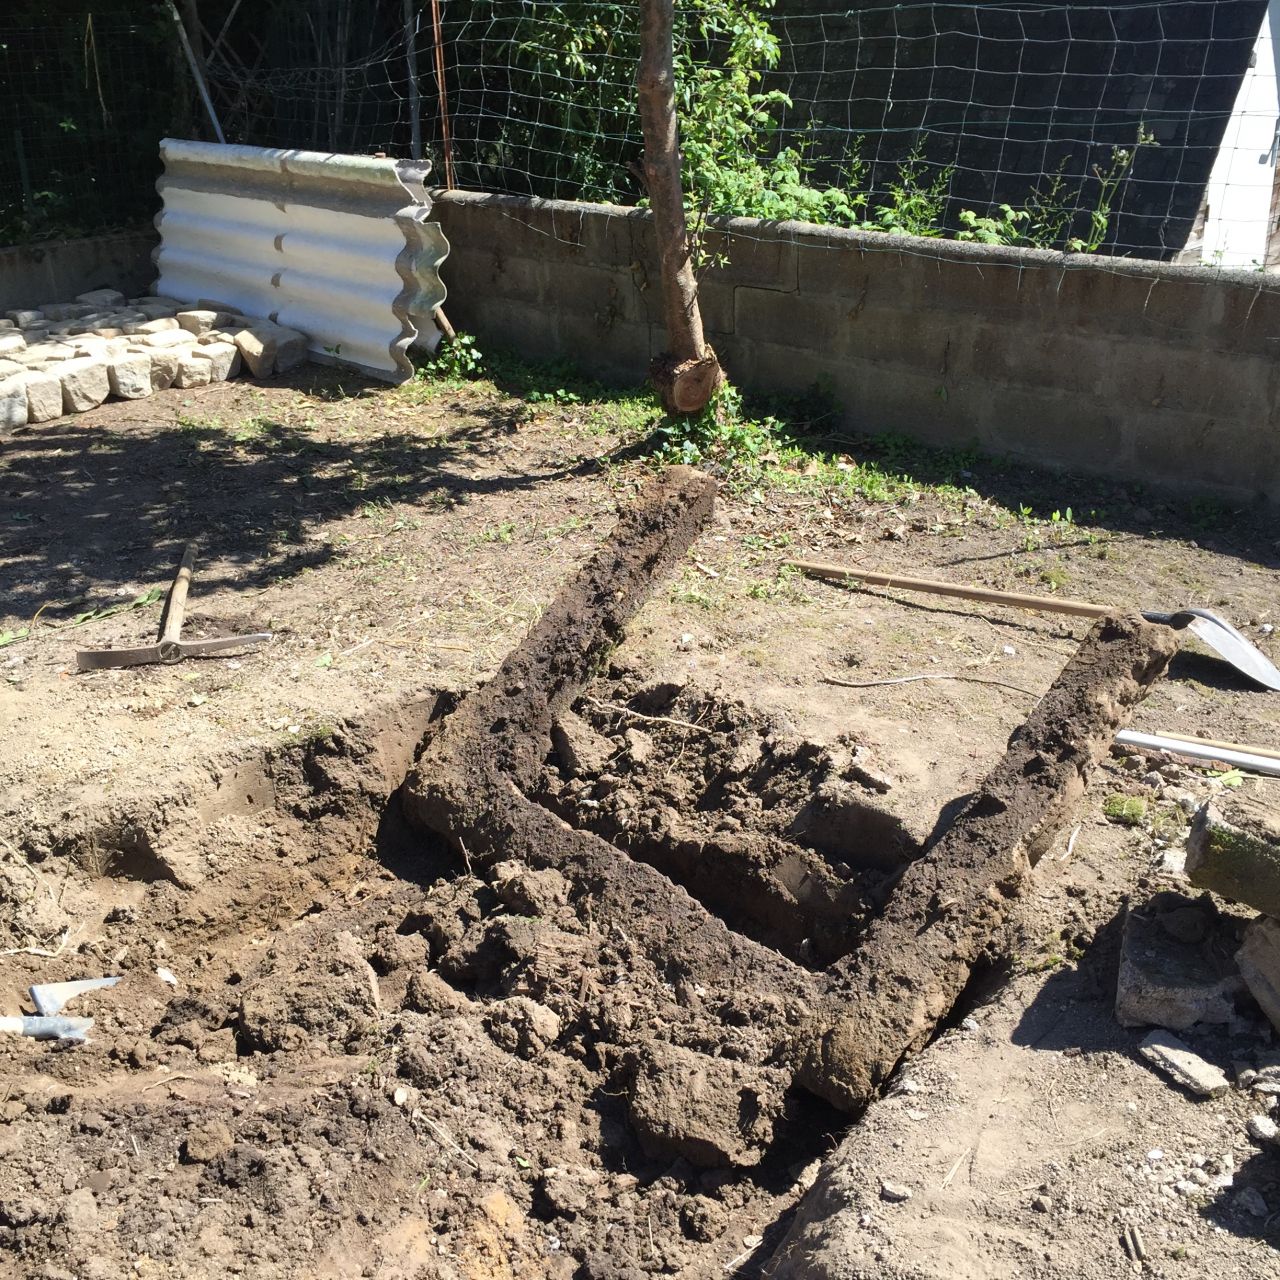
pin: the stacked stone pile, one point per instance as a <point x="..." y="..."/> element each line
<point x="69" y="357"/>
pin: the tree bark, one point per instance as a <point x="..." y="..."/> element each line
<point x="688" y="373"/>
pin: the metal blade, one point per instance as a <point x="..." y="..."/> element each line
<point x="98" y="659"/>
<point x="166" y="651"/>
<point x="197" y="648"/>
<point x="1228" y="643"/>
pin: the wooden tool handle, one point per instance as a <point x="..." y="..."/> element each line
<point x="175" y="609"/>
<point x="1049" y="604"/>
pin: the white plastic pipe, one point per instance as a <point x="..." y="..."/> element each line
<point x="1196" y="751"/>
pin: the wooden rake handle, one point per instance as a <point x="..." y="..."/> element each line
<point x="1049" y="604"/>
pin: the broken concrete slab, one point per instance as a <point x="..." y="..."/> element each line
<point x="130" y="375"/>
<point x="1181" y="1063"/>
<point x="1234" y="849"/>
<point x="1259" y="961"/>
<point x="85" y="383"/>
<point x="712" y="1112"/>
<point x="1177" y="965"/>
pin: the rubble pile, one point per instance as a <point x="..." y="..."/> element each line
<point x="68" y="357"/>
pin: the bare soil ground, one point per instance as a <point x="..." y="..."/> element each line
<point x="377" y="1061"/>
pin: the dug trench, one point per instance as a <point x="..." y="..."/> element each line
<point x="590" y="993"/>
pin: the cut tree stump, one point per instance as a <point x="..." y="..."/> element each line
<point x="888" y="997"/>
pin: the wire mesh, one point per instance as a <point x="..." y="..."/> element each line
<point x="1142" y="127"/>
<point x="83" y="103"/>
<point x="1098" y="126"/>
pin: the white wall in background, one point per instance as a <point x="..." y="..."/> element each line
<point x="1238" y="218"/>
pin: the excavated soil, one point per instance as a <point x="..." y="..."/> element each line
<point x="376" y="1060"/>
<point x="384" y="1058"/>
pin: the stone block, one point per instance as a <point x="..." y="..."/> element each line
<point x="44" y="395"/>
<point x="102" y="298"/>
<point x="1180" y="1062"/>
<point x="223" y="358"/>
<point x="47" y="351"/>
<point x="197" y="322"/>
<point x="164" y="366"/>
<point x="161" y="324"/>
<point x="1176" y="967"/>
<point x="85" y="384"/>
<point x="192" y="370"/>
<point x="6" y="324"/>
<point x="92" y="344"/>
<point x="13" y="403"/>
<point x="10" y="342"/>
<point x="130" y="375"/>
<point x="154" y="309"/>
<point x="258" y="347"/>
<point x="167" y="338"/>
<point x="24" y="319"/>
<point x="1259" y="961"/>
<point x="60" y="311"/>
<point x="8" y="368"/>
<point x="1234" y="850"/>
<point x="291" y="349"/>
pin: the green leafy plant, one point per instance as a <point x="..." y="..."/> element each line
<point x="456" y="359"/>
<point x="916" y="202"/>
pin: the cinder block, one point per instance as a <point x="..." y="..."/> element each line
<point x="85" y="383"/>
<point x="129" y="375"/>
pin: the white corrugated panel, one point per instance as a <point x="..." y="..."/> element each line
<point x="338" y="247"/>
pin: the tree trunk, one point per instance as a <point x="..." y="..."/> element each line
<point x="688" y="373"/>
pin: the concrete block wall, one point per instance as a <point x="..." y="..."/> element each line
<point x="1135" y="370"/>
<point x="56" y="270"/>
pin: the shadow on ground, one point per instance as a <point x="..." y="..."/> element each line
<point x="87" y="508"/>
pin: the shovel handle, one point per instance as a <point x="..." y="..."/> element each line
<point x="175" y="609"/>
<point x="1049" y="604"/>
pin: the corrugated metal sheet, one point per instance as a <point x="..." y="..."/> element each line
<point x="338" y="247"/>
